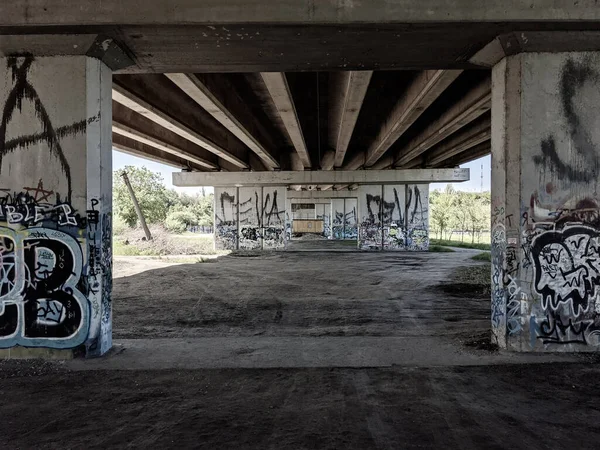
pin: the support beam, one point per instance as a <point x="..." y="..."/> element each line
<point x="223" y="12"/>
<point x="135" y="148"/>
<point x="472" y="154"/>
<point x="460" y="142"/>
<point x="348" y="93"/>
<point x="320" y="195"/>
<point x="320" y="177"/>
<point x="214" y="103"/>
<point x="474" y="104"/>
<point x="279" y="90"/>
<point x="137" y="104"/>
<point x="124" y="130"/>
<point x="421" y="93"/>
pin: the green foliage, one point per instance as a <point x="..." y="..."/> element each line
<point x="440" y="249"/>
<point x="459" y="244"/>
<point x="485" y="256"/>
<point x="179" y="221"/>
<point x="177" y="211"/>
<point x="464" y="213"/>
<point x="150" y="191"/>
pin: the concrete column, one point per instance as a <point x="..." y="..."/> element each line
<point x="55" y="205"/>
<point x="545" y="202"/>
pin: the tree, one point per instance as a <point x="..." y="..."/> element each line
<point x="150" y="191"/>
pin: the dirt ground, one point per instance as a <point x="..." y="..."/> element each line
<point x="300" y="294"/>
<point x="312" y="295"/>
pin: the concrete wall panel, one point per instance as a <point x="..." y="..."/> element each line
<point x="370" y="205"/>
<point x="337" y="215"/>
<point x="226" y="218"/>
<point x="394" y="217"/>
<point x="273" y="218"/>
<point x="250" y="218"/>
<point x="417" y="217"/>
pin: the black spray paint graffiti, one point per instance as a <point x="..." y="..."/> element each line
<point x="585" y="166"/>
<point x="567" y="268"/>
<point x="226" y="233"/>
<point x="40" y="297"/>
<point x="34" y="207"/>
<point x="553" y="330"/>
<point x="22" y="91"/>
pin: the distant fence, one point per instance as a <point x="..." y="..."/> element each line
<point x="201" y="229"/>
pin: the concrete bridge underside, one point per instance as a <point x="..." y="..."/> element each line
<point x="238" y="86"/>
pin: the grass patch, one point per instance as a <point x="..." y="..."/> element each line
<point x="132" y="242"/>
<point x="440" y="249"/>
<point x="485" y="256"/>
<point x="460" y="244"/>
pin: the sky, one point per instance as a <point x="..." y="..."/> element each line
<point x="121" y="160"/>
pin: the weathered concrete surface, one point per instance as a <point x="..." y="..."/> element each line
<point x="545" y="206"/>
<point x="286" y="178"/>
<point x="55" y="204"/>
<point x="179" y="12"/>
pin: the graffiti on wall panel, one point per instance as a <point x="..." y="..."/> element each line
<point x="498" y="251"/>
<point x="273" y="220"/>
<point x="417" y="212"/>
<point x="370" y="230"/>
<point x="394" y="227"/>
<point x="226" y="228"/>
<point x="250" y="207"/>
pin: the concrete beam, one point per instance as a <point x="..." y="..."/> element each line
<point x="135" y="148"/>
<point x="98" y="46"/>
<point x="348" y="93"/>
<point x="137" y="104"/>
<point x="214" y="104"/>
<point x="419" y="95"/>
<point x="279" y="90"/>
<point x="479" y="151"/>
<point x="475" y="103"/>
<point x="301" y="196"/>
<point x="187" y="12"/>
<point x="460" y="142"/>
<point x="536" y="42"/>
<point x="139" y="136"/>
<point x="320" y="177"/>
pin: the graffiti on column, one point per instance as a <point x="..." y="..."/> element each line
<point x="226" y="229"/>
<point x="417" y="207"/>
<point x="561" y="224"/>
<point x="48" y="263"/>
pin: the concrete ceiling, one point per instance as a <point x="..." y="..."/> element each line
<point x="237" y="85"/>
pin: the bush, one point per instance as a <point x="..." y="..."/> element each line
<point x="179" y="221"/>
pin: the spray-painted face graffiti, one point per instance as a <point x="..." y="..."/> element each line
<point x="567" y="268"/>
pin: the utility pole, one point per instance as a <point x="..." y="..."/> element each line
<point x="136" y="205"/>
